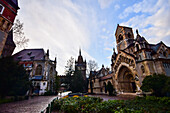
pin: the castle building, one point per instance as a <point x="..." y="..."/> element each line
<point x="8" y="12"/>
<point x="136" y="59"/>
<point x="41" y="70"/>
<point x="81" y="65"/>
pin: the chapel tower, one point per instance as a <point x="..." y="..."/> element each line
<point x="124" y="37"/>
<point x="81" y="65"/>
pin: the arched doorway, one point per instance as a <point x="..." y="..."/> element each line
<point x="126" y="81"/>
<point x="105" y="89"/>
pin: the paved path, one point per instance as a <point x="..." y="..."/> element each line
<point x="33" y="105"/>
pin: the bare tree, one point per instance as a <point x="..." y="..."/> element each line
<point x="92" y="65"/>
<point x="70" y="64"/>
<point x="19" y="37"/>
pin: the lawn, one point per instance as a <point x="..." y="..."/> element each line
<point x="148" y="104"/>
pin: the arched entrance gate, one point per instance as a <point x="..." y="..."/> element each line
<point x="126" y="81"/>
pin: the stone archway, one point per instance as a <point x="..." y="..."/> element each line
<point x="126" y="81"/>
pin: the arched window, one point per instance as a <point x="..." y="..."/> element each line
<point x="137" y="47"/>
<point x="8" y="25"/>
<point x="3" y="21"/>
<point x="51" y="71"/>
<point x="105" y="89"/>
<point x="143" y="69"/>
<point x="120" y="38"/>
<point x="38" y="70"/>
<point x="129" y="35"/>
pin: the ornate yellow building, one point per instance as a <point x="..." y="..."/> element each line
<point x="135" y="60"/>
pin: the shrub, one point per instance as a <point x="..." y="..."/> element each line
<point x="148" y="104"/>
<point x="158" y="84"/>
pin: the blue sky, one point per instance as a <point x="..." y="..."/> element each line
<point x="64" y="26"/>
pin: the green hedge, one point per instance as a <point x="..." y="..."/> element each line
<point x="96" y="105"/>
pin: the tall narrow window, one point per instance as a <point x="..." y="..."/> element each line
<point x="137" y="47"/>
<point x="38" y="70"/>
<point x="2" y="23"/>
<point x="129" y="35"/>
<point x="143" y="69"/>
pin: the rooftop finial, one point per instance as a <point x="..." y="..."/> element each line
<point x="114" y="50"/>
<point x="80" y="51"/>
<point x="47" y="52"/>
<point x="137" y="32"/>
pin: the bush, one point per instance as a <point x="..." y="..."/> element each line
<point x="149" y="104"/>
<point x="158" y="84"/>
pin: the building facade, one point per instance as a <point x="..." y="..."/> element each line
<point x="98" y="80"/>
<point x="135" y="59"/>
<point x="8" y="12"/>
<point x="41" y="70"/>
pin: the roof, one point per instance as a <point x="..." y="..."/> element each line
<point x="106" y="77"/>
<point x="13" y="3"/>
<point x="118" y="26"/>
<point x="29" y="55"/>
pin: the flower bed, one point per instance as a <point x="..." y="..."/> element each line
<point x="96" y="105"/>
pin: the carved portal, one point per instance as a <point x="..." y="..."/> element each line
<point x="126" y="80"/>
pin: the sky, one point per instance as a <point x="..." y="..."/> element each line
<point x="65" y="26"/>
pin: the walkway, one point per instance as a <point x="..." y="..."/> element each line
<point x="33" y="105"/>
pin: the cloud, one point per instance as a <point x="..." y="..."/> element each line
<point x="145" y="6"/>
<point x="108" y="49"/>
<point x="104" y="37"/>
<point x="153" y="24"/>
<point x="60" y="26"/>
<point x="103" y="22"/>
<point x="105" y="3"/>
<point x="104" y="29"/>
<point x="116" y="7"/>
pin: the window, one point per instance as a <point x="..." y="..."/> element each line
<point x="143" y="69"/>
<point x="120" y="38"/>
<point x="164" y="53"/>
<point x="137" y="47"/>
<point x="2" y="23"/>
<point x="8" y="25"/>
<point x="38" y="70"/>
<point x="1" y="9"/>
<point x="129" y="35"/>
<point x="140" y="58"/>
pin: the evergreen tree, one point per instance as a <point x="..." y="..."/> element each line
<point x="78" y="84"/>
<point x="13" y="78"/>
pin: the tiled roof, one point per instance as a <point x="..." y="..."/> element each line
<point x="29" y="54"/>
<point x="106" y="77"/>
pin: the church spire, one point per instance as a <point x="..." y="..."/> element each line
<point x="80" y="52"/>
